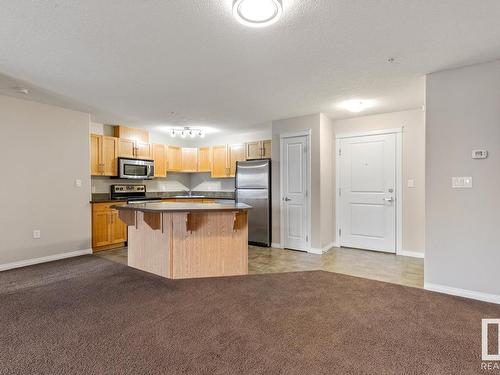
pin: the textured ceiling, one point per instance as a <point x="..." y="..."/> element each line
<point x="179" y="62"/>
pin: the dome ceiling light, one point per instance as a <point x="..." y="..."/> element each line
<point x="257" y="13"/>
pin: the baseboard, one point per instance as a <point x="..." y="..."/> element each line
<point x="323" y="250"/>
<point x="49" y="258"/>
<point x="486" y="297"/>
<point x="413" y="254"/>
<point x="276" y="245"/>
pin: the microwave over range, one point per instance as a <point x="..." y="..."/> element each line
<point x="136" y="169"/>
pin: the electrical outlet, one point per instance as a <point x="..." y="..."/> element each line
<point x="37" y="234"/>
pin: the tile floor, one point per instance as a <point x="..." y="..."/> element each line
<point x="362" y="263"/>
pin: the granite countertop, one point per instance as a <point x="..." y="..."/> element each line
<point x="230" y="195"/>
<point x="181" y="207"/>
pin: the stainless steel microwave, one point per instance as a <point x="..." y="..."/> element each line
<point x="136" y="169"/>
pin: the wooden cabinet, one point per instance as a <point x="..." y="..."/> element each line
<point x="189" y="159"/>
<point x="235" y="153"/>
<point x="103" y="155"/>
<point x="134" y="150"/>
<point x="143" y="150"/>
<point x="126" y="148"/>
<point x="219" y="162"/>
<point x="174" y="158"/>
<point x="159" y="155"/>
<point x="204" y="159"/>
<point x="133" y="134"/>
<point x="258" y="149"/>
<point x="108" y="231"/>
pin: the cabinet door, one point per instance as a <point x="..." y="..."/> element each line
<point x="189" y="159"/>
<point x="126" y="148"/>
<point x="253" y="150"/>
<point x="160" y="158"/>
<point x="143" y="150"/>
<point x="219" y="161"/>
<point x="95" y="155"/>
<point x="236" y="153"/>
<point x="101" y="235"/>
<point x="118" y="228"/>
<point x="109" y="156"/>
<point x="174" y="158"/>
<point x="139" y="135"/>
<point x="204" y="159"/>
<point x="267" y="147"/>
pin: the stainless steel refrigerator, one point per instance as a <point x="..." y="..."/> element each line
<point x="253" y="187"/>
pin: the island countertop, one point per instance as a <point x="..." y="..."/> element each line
<point x="159" y="207"/>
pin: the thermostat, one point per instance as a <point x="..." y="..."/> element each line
<point x="479" y="154"/>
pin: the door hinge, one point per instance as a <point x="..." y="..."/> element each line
<point x="340" y="192"/>
<point x="307" y="238"/>
<point x="340" y="232"/>
<point x="307" y="193"/>
<point x="340" y="152"/>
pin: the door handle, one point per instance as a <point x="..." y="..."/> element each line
<point x="388" y="199"/>
<point x="286" y="199"/>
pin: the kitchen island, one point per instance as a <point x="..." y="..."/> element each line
<point x="187" y="240"/>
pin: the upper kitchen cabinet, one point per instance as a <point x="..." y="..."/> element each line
<point x="133" y="134"/>
<point x="219" y="162"/>
<point x="126" y="148"/>
<point x="258" y="149"/>
<point x="103" y="155"/>
<point x="143" y="150"/>
<point x="159" y="155"/>
<point x="189" y="159"/>
<point x="204" y="159"/>
<point x="235" y="153"/>
<point x="174" y="158"/>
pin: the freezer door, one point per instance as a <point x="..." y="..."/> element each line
<point x="259" y="219"/>
<point x="253" y="174"/>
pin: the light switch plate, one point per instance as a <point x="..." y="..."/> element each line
<point x="461" y="182"/>
<point x="479" y="154"/>
<point x="411" y="183"/>
<point x="37" y="234"/>
<point x="78" y="183"/>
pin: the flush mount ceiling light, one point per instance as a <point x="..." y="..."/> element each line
<point x="257" y="13"/>
<point x="356" y="105"/>
<point x="184" y="132"/>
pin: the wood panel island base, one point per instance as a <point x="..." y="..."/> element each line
<point x="187" y="240"/>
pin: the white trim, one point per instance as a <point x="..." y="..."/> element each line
<point x="49" y="258"/>
<point x="399" y="181"/>
<point x="276" y="245"/>
<point x="299" y="133"/>
<point x="323" y="250"/>
<point x="486" y="297"/>
<point x="413" y="254"/>
<point x="367" y="133"/>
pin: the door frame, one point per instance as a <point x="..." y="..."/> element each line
<point x="301" y="133"/>
<point x="399" y="181"/>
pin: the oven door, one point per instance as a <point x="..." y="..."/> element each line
<point x="136" y="169"/>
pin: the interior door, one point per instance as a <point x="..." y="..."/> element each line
<point x="368" y="191"/>
<point x="294" y="192"/>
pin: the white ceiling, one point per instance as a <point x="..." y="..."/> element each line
<point x="179" y="62"/>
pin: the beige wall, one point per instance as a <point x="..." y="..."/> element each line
<point x="413" y="122"/>
<point x="463" y="114"/>
<point x="327" y="191"/>
<point x="46" y="149"/>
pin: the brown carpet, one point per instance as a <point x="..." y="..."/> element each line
<point x="88" y="315"/>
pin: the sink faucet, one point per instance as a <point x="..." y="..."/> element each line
<point x="189" y="192"/>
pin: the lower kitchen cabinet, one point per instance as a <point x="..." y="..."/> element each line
<point x="108" y="231"/>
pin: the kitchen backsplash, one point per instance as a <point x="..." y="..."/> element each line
<point x="173" y="182"/>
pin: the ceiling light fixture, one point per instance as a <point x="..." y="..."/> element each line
<point x="184" y="132"/>
<point x="257" y="13"/>
<point x="356" y="105"/>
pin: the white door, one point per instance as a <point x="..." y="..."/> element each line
<point x="294" y="192"/>
<point x="368" y="192"/>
